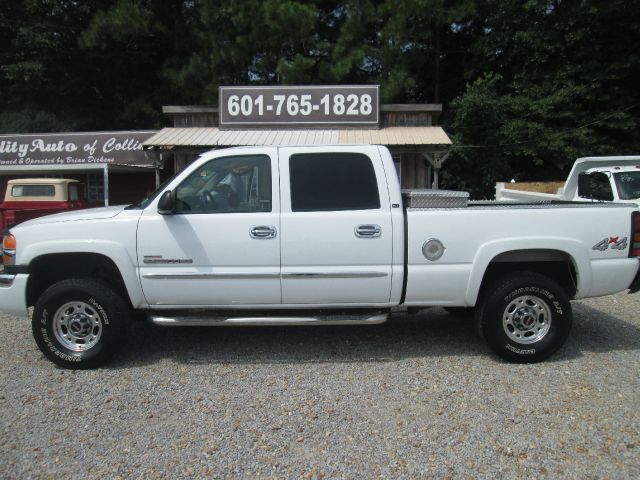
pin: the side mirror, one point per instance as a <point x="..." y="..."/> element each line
<point x="595" y="186"/>
<point x="167" y="203"/>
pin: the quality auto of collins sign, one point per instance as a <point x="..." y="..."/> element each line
<point x="121" y="148"/>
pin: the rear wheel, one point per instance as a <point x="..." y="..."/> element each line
<point x="78" y="323"/>
<point x="524" y="317"/>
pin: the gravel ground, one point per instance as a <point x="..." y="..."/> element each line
<point x="416" y="397"/>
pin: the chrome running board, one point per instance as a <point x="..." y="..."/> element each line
<point x="213" y="321"/>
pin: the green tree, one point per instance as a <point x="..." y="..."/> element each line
<point x="39" y="65"/>
<point x="134" y="47"/>
<point x="405" y="45"/>
<point x="548" y="82"/>
<point x="256" y="42"/>
<point x="527" y="86"/>
<point x="67" y="65"/>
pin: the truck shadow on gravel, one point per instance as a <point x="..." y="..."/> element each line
<point x="431" y="334"/>
<point x="598" y="332"/>
<point x="434" y="333"/>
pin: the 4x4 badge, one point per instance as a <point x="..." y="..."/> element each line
<point x="611" y="242"/>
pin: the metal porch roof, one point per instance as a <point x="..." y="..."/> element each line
<point x="214" y="137"/>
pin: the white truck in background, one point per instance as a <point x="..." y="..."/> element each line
<point x="311" y="235"/>
<point x="615" y="179"/>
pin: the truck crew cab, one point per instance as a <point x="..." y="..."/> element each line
<point x="312" y="235"/>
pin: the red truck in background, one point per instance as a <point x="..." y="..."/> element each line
<point x="28" y="198"/>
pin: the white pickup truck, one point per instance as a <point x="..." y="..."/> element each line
<point x="311" y="235"/>
<point x="612" y="179"/>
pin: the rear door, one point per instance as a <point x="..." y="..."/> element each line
<point x="336" y="227"/>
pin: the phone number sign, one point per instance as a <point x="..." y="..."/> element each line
<point x="304" y="106"/>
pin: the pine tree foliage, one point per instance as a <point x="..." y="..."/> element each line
<point x="548" y="82"/>
<point x="527" y="85"/>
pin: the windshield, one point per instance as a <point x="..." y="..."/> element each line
<point x="628" y="184"/>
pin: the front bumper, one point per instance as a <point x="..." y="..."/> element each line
<point x="13" y="294"/>
<point x="635" y="285"/>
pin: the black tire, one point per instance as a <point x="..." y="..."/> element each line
<point x="524" y="317"/>
<point x="79" y="323"/>
<point x="460" y="312"/>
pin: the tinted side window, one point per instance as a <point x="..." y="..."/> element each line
<point x="333" y="181"/>
<point x="229" y="184"/>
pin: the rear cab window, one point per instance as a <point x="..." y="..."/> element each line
<point x="628" y="184"/>
<point x="33" y="191"/>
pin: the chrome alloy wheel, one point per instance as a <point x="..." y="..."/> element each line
<point x="77" y="326"/>
<point x="526" y="319"/>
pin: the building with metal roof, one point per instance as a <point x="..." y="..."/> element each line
<point x="410" y="131"/>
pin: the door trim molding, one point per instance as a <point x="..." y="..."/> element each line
<point x="248" y="275"/>
<point x="294" y="275"/>
<point x="205" y="276"/>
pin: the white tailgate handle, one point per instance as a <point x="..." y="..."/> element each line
<point x="262" y="232"/>
<point x="368" y="231"/>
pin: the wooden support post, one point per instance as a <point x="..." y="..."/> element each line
<point x="436" y="159"/>
<point x="105" y="185"/>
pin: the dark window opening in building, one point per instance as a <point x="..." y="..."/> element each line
<point x="95" y="188"/>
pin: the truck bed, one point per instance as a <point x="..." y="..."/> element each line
<point x="475" y="234"/>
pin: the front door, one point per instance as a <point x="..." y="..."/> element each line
<point x="336" y="228"/>
<point x="222" y="245"/>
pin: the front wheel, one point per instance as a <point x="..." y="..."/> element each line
<point x="78" y="323"/>
<point x="524" y="317"/>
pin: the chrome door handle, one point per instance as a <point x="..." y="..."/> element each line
<point x="368" y="231"/>
<point x="263" y="231"/>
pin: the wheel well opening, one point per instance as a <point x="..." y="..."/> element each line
<point x="555" y="264"/>
<point x="46" y="270"/>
